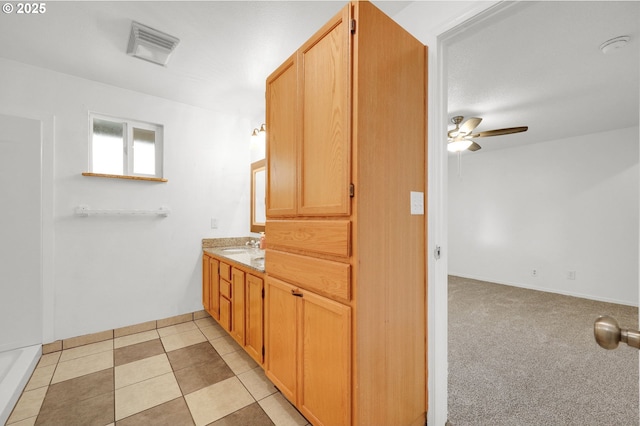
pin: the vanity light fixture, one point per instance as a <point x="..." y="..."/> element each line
<point x="256" y="131"/>
<point x="150" y="44"/>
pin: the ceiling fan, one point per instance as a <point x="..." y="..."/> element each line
<point x="460" y="138"/>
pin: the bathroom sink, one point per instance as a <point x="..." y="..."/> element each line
<point x="235" y="250"/>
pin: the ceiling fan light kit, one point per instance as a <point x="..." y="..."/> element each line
<point x="460" y="138"/>
<point x="457" y="146"/>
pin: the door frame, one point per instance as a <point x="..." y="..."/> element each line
<point x="437" y="172"/>
<point x="438" y="204"/>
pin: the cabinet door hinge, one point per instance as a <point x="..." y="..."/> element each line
<point x="352" y="26"/>
<point x="263" y="351"/>
<point x="352" y="190"/>
<point x="263" y="293"/>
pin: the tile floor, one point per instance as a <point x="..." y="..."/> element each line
<point x="192" y="373"/>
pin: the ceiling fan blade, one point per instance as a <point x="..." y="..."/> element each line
<point x="499" y="132"/>
<point x="474" y="147"/>
<point x="468" y="126"/>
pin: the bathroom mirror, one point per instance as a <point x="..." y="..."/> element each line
<point x="258" y="195"/>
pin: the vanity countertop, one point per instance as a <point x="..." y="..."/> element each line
<point x="249" y="257"/>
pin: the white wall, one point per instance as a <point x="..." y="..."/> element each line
<point x="559" y="206"/>
<point x="110" y="272"/>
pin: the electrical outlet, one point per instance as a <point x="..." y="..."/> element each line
<point x="534" y="272"/>
<point x="214" y="223"/>
<point x="571" y="275"/>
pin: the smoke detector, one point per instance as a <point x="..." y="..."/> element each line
<point x="614" y="44"/>
<point x="150" y="44"/>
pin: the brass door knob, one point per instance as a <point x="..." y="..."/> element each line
<point x="608" y="334"/>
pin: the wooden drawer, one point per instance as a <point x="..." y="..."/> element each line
<point x="225" y="271"/>
<point x="225" y="289"/>
<point x="331" y="237"/>
<point x="322" y="276"/>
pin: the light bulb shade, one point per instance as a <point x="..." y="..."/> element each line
<point x="263" y="128"/>
<point x="457" y="146"/>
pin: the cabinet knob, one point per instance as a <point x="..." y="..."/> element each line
<point x="296" y="293"/>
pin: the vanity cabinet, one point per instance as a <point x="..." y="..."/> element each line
<point x="233" y="295"/>
<point x="309" y="351"/>
<point x="345" y="317"/>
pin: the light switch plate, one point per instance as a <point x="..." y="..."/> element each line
<point x="417" y="203"/>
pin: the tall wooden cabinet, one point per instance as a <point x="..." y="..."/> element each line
<point x="345" y="306"/>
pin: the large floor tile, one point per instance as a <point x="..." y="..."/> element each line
<point x="144" y="395"/>
<point x="252" y="415"/>
<point x="132" y="339"/>
<point x="137" y="351"/>
<point x="192" y="355"/>
<point x="216" y="401"/>
<point x="95" y="411"/>
<point x="144" y="369"/>
<point x="205" y="322"/>
<point x="181" y="340"/>
<point x="200" y="376"/>
<point x="177" y="329"/>
<point x="82" y="351"/>
<point x="82" y="366"/>
<point x="281" y="412"/>
<point x="65" y="394"/>
<point x="225" y="344"/>
<point x="213" y="332"/>
<point x="239" y="361"/>
<point x="257" y="383"/>
<point x="172" y="413"/>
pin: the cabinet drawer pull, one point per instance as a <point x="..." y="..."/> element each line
<point x="296" y="293"/>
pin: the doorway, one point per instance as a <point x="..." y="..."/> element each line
<point x="497" y="235"/>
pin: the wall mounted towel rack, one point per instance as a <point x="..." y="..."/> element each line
<point x="84" y="210"/>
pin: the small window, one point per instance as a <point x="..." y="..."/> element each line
<point x="125" y="147"/>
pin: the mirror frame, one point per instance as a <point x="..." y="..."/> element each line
<point x="257" y="167"/>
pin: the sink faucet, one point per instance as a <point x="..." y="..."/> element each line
<point x="253" y="244"/>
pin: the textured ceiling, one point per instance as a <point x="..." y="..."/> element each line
<point x="538" y="64"/>
<point x="531" y="63"/>
<point x="226" y="50"/>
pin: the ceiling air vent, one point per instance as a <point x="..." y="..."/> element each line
<point x="150" y="44"/>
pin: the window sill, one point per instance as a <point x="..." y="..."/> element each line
<point x="151" y="179"/>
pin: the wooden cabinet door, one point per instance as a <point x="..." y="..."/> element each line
<point x="325" y="93"/>
<point x="281" y="337"/>
<point x="225" y="313"/>
<point x="324" y="375"/>
<point x="214" y="288"/>
<point x="237" y="305"/>
<point x="206" y="288"/>
<point x="281" y="110"/>
<point x="254" y="317"/>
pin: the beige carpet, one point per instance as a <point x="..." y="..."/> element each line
<point x="525" y="357"/>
